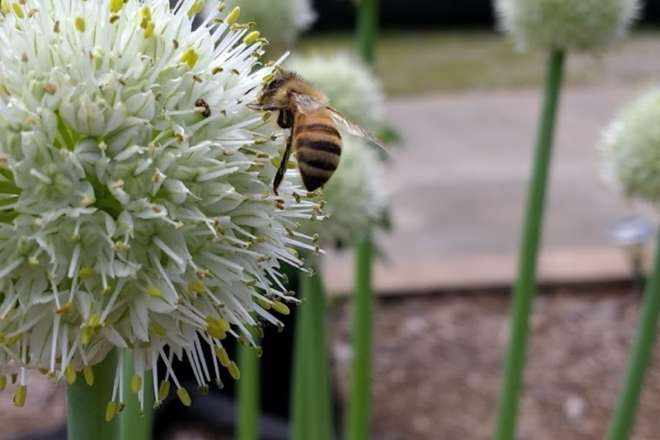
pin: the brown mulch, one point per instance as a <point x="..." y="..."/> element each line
<point x="437" y="362"/>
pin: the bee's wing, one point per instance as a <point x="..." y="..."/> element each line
<point x="353" y="128"/>
<point x="306" y="104"/>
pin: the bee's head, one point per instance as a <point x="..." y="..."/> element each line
<point x="275" y="93"/>
<point x="275" y="84"/>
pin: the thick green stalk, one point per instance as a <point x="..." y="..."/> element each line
<point x="640" y="355"/>
<point x="134" y="423"/>
<point x="311" y="405"/>
<point x="358" y="418"/>
<point x="319" y="357"/>
<point x="367" y="29"/>
<point x="525" y="286"/>
<point x="248" y="393"/>
<point x="300" y="423"/>
<point x="86" y="405"/>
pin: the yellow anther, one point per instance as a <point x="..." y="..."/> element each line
<point x="89" y="375"/>
<point x="280" y="308"/>
<point x="222" y="355"/>
<point x="164" y="390"/>
<point x="20" y="394"/>
<point x="217" y="328"/>
<point x="184" y="397"/>
<point x="86" y="335"/>
<point x="3" y="382"/>
<point x="233" y="370"/>
<point x="190" y="57"/>
<point x="136" y="383"/>
<point x="86" y="272"/>
<point x="149" y="30"/>
<point x="215" y="332"/>
<point x="196" y="286"/>
<point x="18" y="11"/>
<point x="4" y="7"/>
<point x="195" y="8"/>
<point x="110" y="410"/>
<point x="263" y="303"/>
<point x="154" y="292"/>
<point x="79" y="24"/>
<point x="145" y="12"/>
<point x="251" y="38"/>
<point x="94" y="320"/>
<point x="233" y="15"/>
<point x="70" y="375"/>
<point x="116" y="5"/>
<point x="315" y="238"/>
<point x="223" y="324"/>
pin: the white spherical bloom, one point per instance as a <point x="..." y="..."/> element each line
<point x="348" y="83"/>
<point x="631" y="148"/>
<point x="136" y="209"/>
<point x="280" y="21"/>
<point x="582" y="25"/>
<point x="354" y="198"/>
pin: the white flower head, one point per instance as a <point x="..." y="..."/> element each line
<point x="280" y="21"/>
<point x="631" y="149"/>
<point x="354" y="198"/>
<point x="348" y="83"/>
<point x="136" y="203"/>
<point x="582" y="25"/>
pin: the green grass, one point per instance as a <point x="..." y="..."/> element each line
<point x="420" y="62"/>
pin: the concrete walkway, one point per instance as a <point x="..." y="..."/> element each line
<point x="459" y="185"/>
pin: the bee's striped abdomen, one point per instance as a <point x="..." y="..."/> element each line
<point x="318" y="148"/>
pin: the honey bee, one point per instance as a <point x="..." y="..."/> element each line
<point x="313" y="125"/>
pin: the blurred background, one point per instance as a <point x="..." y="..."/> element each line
<point x="465" y="104"/>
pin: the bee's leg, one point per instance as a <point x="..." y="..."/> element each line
<point x="283" y="164"/>
<point x="285" y="119"/>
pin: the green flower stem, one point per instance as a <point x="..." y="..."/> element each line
<point x="640" y="355"/>
<point x="248" y="393"/>
<point x="367" y="29"/>
<point x="523" y="292"/>
<point x="299" y="405"/>
<point x="319" y="356"/>
<point x="311" y="406"/>
<point x="358" y="418"/>
<point x="134" y="423"/>
<point x="86" y="405"/>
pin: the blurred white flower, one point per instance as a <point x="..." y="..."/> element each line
<point x="136" y="209"/>
<point x="354" y="198"/>
<point x="631" y="149"/>
<point x="280" y="21"/>
<point x="348" y="83"/>
<point x="582" y="25"/>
